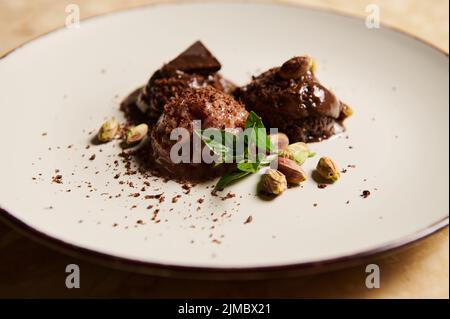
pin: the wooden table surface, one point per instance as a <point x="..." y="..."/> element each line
<point x="28" y="269"/>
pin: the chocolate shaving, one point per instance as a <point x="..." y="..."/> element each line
<point x="365" y="194"/>
<point x="195" y="59"/>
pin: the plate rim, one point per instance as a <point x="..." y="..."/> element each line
<point x="215" y="272"/>
<point x="208" y="271"/>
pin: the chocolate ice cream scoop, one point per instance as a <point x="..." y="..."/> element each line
<point x="291" y="99"/>
<point x="213" y="108"/>
<point x="194" y="68"/>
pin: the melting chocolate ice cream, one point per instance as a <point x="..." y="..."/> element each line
<point x="213" y="108"/>
<point x="291" y="99"/>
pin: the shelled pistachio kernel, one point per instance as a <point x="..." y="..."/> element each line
<point x="136" y="133"/>
<point x="279" y="141"/>
<point x="346" y="110"/>
<point x="298" y="152"/>
<point x="291" y="170"/>
<point x="296" y="67"/>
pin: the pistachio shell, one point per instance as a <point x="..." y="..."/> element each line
<point x="108" y="130"/>
<point x="327" y="169"/>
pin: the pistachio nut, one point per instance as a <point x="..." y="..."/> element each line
<point x="136" y="133"/>
<point x="346" y="111"/>
<point x="327" y="169"/>
<point x="298" y="152"/>
<point x="291" y="170"/>
<point x="279" y="141"/>
<point x="296" y="67"/>
<point x="313" y="66"/>
<point x="273" y="182"/>
<point x="108" y="130"/>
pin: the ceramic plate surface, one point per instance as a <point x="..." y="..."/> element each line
<point x="56" y="91"/>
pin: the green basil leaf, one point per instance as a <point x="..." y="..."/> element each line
<point x="248" y="167"/>
<point x="262" y="140"/>
<point x="253" y="120"/>
<point x="230" y="178"/>
<point x="217" y="148"/>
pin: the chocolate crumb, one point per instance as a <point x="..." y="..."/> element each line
<point x="228" y="196"/>
<point x="57" y="179"/>
<point x="200" y="200"/>
<point x="248" y="220"/>
<point x="92" y="157"/>
<point x="155" y="214"/>
<point x="187" y="188"/>
<point x="365" y="194"/>
<point x="315" y="204"/>
<point x="157" y="196"/>
<point x="321" y="185"/>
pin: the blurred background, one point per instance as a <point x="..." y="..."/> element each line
<point x="28" y="269"/>
<point x="22" y="20"/>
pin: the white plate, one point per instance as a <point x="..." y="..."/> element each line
<point x="66" y="82"/>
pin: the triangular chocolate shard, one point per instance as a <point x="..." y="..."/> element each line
<point x="196" y="59"/>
